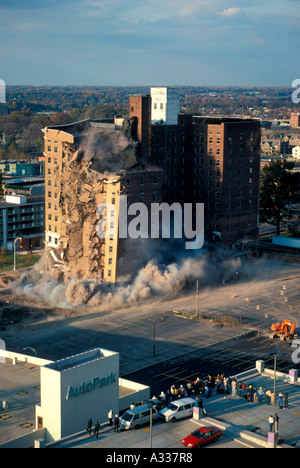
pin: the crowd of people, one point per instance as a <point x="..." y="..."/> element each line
<point x="222" y="384"/>
<point x="206" y="388"/>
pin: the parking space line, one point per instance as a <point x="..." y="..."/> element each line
<point x="163" y="373"/>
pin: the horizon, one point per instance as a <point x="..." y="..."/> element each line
<point x="147" y="86"/>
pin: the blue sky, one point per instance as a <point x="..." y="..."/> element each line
<point x="150" y="42"/>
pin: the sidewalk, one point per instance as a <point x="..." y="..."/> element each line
<point x="243" y="424"/>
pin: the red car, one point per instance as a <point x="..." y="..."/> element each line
<point x="202" y="436"/>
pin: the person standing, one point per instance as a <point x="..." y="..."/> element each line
<point x="271" y="423"/>
<point x="286" y="401"/>
<point x="280" y="400"/>
<point x="116" y="423"/>
<point x="89" y="426"/>
<point x="260" y="394"/>
<point x="110" y="417"/>
<point x="268" y="395"/>
<point x="96" y="430"/>
<point x="276" y="426"/>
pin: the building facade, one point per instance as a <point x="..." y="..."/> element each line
<point x="215" y="161"/>
<point x="22" y="215"/>
<point x="295" y="120"/>
<point x="296" y="152"/>
<point x="88" y="167"/>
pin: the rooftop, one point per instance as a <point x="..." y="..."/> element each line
<point x="79" y="359"/>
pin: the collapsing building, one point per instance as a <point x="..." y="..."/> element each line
<point x="90" y="164"/>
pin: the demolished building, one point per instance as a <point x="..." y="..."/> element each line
<point x="90" y="164"/>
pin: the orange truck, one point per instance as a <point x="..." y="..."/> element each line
<point x="285" y="330"/>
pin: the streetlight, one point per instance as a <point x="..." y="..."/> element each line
<point x="15" y="256"/>
<point x="197" y="292"/>
<point x="154" y="338"/>
<point x="151" y="414"/>
<point x="31" y="349"/>
<point x="275" y="354"/>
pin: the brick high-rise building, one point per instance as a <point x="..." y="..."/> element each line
<point x="295" y="120"/>
<point x="215" y="161"/>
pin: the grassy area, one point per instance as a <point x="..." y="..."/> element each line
<point x="22" y="261"/>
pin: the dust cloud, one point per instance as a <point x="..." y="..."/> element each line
<point x="154" y="281"/>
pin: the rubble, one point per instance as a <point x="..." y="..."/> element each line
<point x="84" y="183"/>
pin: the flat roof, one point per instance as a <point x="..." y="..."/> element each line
<point x="81" y="126"/>
<point x="20" y="387"/>
<point x="79" y="359"/>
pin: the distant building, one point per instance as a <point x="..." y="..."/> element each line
<point x="22" y="214"/>
<point x="295" y="120"/>
<point x="22" y="168"/>
<point x="296" y="152"/>
<point x="210" y="160"/>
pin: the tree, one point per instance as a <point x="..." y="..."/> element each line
<point x="279" y="190"/>
<point x="3" y="255"/>
<point x="1" y="186"/>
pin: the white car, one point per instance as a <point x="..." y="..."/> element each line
<point x="178" y="409"/>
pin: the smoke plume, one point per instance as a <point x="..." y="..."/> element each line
<point x="154" y="281"/>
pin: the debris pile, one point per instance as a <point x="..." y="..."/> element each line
<point x="84" y="179"/>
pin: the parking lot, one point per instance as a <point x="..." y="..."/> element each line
<point x="164" y="435"/>
<point x="185" y="349"/>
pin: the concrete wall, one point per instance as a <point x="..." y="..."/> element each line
<point x="27" y="441"/>
<point x="15" y="357"/>
<point x="141" y="393"/>
<point x="72" y="391"/>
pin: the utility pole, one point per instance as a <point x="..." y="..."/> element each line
<point x="15" y="254"/>
<point x="151" y="415"/>
<point x="275" y="354"/>
<point x="154" y="338"/>
<point x="197" y="289"/>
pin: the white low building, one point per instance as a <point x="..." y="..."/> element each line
<point x="77" y="388"/>
<point x="296" y="152"/>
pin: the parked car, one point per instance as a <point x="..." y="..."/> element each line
<point x="202" y="436"/>
<point x="138" y="416"/>
<point x="178" y="409"/>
